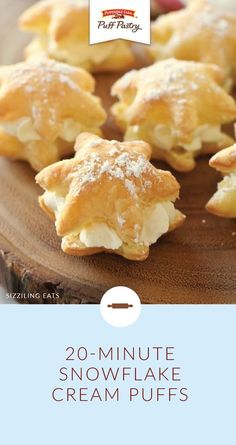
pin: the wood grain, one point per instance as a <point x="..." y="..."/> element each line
<point x="195" y="264"/>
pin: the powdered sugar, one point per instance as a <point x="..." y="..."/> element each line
<point x="213" y="19"/>
<point x="125" y="167"/>
<point x="171" y="79"/>
<point x="27" y="75"/>
<point x="121" y="220"/>
<point x="68" y="81"/>
<point x="39" y="81"/>
<point x="105" y="167"/>
<point x="122" y="159"/>
<point x="113" y="151"/>
<point x="130" y="186"/>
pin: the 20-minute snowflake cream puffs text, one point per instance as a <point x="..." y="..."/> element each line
<point x="113" y="374"/>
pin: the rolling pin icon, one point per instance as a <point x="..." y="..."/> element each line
<point x="120" y="305"/>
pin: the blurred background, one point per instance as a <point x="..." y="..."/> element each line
<point x="12" y="41"/>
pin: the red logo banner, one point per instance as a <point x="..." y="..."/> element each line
<point x="118" y="13"/>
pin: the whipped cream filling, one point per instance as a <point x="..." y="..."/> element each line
<point x="70" y="130"/>
<point x="165" y="137"/>
<point x="204" y="134"/>
<point x="228" y="183"/>
<point x="23" y="129"/>
<point x="80" y="53"/>
<point x="54" y="202"/>
<point x="100" y="235"/>
<point x="225" y="197"/>
<point x="155" y="225"/>
<point x="157" y="220"/>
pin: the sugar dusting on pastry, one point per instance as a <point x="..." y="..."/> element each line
<point x="124" y="166"/>
<point x="213" y="19"/>
<point x="110" y="198"/>
<point x="201" y="32"/>
<point x="223" y="202"/>
<point x="170" y="105"/>
<point x="62" y="33"/>
<point x="118" y="164"/>
<point x="43" y="107"/>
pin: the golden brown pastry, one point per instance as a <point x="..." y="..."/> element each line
<point x="62" y="28"/>
<point x="43" y="107"/>
<point x="223" y="202"/>
<point x="202" y="32"/>
<point x="109" y="198"/>
<point x="176" y="106"/>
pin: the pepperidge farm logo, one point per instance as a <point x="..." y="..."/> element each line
<point x="118" y="13"/>
<point x="119" y="19"/>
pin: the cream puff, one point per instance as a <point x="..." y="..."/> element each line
<point x="109" y="198"/>
<point x="43" y="107"/>
<point x="223" y="202"/>
<point x="202" y="32"/>
<point x="178" y="107"/>
<point x="62" y="29"/>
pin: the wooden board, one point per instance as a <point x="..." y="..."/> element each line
<point x="194" y="264"/>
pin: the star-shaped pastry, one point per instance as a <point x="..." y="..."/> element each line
<point x="202" y="32"/>
<point x="223" y="202"/>
<point x="62" y="28"/>
<point x="109" y="198"/>
<point x="43" y="107"/>
<point x="176" y="106"/>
